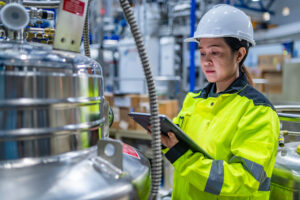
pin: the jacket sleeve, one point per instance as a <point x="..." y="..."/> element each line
<point x="249" y="169"/>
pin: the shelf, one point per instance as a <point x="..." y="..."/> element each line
<point x="135" y="134"/>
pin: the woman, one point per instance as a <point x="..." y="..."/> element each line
<point x="228" y="118"/>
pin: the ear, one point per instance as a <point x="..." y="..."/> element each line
<point x="241" y="54"/>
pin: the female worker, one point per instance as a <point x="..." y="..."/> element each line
<point x="229" y="119"/>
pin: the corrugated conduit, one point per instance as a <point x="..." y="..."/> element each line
<point x="86" y="39"/>
<point x="156" y="167"/>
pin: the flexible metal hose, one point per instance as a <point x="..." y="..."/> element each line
<point x="155" y="123"/>
<point x="86" y="40"/>
<point x="41" y="4"/>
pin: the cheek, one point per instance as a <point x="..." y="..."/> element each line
<point x="225" y="66"/>
<point x="220" y="66"/>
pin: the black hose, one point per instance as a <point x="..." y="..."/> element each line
<point x="86" y="39"/>
<point x="155" y="123"/>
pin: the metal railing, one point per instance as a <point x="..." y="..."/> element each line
<point x="292" y="116"/>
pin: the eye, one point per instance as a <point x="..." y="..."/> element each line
<point x="214" y="53"/>
<point x="202" y="54"/>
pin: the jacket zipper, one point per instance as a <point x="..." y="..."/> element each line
<point x="181" y="119"/>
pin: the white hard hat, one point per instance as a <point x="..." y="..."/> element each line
<point x="224" y="21"/>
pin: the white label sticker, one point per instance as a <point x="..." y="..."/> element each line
<point x="122" y="101"/>
<point x="116" y="111"/>
<point x="123" y="125"/>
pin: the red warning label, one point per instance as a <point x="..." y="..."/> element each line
<point x="130" y="151"/>
<point x="74" y="6"/>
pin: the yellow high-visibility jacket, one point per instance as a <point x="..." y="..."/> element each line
<point x="239" y="128"/>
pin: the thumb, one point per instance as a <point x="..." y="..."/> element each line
<point x="171" y="135"/>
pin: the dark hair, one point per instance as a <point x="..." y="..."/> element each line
<point x="235" y="44"/>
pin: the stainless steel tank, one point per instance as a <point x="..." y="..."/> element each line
<point x="285" y="182"/>
<point x="51" y="118"/>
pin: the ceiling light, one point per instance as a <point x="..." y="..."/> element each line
<point x="255" y="0"/>
<point x="286" y="11"/>
<point x="266" y="16"/>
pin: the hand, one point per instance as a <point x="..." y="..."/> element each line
<point x="165" y="140"/>
<point x="169" y="141"/>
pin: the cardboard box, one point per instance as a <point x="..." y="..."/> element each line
<point x="144" y="103"/>
<point x="129" y="100"/>
<point x="126" y="122"/>
<point x="168" y="108"/>
<point x="115" y="125"/>
<point x="122" y="120"/>
<point x="124" y="104"/>
<point x="110" y="98"/>
<point x="273" y="62"/>
<point x="274" y="82"/>
<point x="254" y="72"/>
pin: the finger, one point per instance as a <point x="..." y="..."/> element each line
<point x="163" y="140"/>
<point x="164" y="137"/>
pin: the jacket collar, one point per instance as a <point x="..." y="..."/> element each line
<point x="237" y="86"/>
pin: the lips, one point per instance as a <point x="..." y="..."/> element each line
<point x="209" y="71"/>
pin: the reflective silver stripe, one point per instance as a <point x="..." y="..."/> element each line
<point x="256" y="170"/>
<point x="265" y="185"/>
<point x="216" y="177"/>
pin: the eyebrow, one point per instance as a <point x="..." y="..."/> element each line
<point x="214" y="45"/>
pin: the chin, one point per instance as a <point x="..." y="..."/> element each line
<point x="211" y="80"/>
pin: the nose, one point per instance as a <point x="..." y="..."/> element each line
<point x="206" y="60"/>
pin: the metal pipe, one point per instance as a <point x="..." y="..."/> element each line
<point x="287" y="108"/>
<point x="283" y="133"/>
<point x="15" y="1"/>
<point x="291" y="117"/>
<point x="192" y="46"/>
<point x="291" y="133"/>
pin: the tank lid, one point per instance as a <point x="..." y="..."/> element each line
<point x="23" y="54"/>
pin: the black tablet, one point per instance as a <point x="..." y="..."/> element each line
<point x="166" y="125"/>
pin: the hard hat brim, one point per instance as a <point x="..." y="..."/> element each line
<point x="191" y="39"/>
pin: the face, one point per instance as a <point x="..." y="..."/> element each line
<point x="218" y="62"/>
